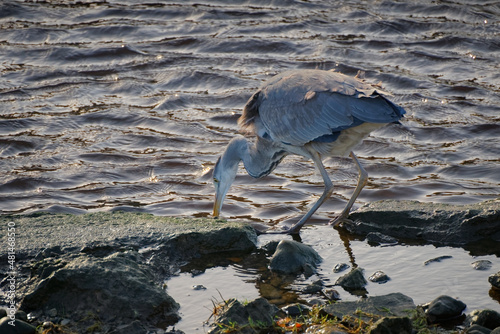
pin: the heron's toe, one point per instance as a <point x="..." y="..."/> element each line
<point x="339" y="220"/>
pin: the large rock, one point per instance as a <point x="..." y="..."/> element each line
<point x="116" y="289"/>
<point x="443" y="224"/>
<point x="102" y="233"/>
<point x="292" y="257"/>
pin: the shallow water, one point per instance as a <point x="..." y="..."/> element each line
<point x="125" y="105"/>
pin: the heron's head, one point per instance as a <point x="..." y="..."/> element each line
<point x="225" y="171"/>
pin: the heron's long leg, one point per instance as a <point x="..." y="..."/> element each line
<point x="326" y="194"/>
<point x="362" y="179"/>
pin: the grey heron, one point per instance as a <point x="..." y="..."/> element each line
<point x="312" y="113"/>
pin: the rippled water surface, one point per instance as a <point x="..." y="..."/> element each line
<point x="127" y="104"/>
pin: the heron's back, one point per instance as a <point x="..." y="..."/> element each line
<point x="314" y="106"/>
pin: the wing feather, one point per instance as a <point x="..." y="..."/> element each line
<point x="297" y="107"/>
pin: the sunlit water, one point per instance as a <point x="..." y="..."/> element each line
<point x="122" y="105"/>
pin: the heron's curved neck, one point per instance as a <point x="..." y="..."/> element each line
<point x="262" y="157"/>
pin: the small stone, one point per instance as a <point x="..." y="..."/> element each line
<point x="19" y="327"/>
<point x="21" y="315"/>
<point x="199" y="287"/>
<point x="315" y="301"/>
<point x="340" y="267"/>
<point x="495" y="280"/>
<point x="313" y="287"/>
<point x="389" y="325"/>
<point x="437" y="259"/>
<point x="65" y="322"/>
<point x="444" y="308"/>
<point x="482" y="264"/>
<point x="296" y="310"/>
<point x="331" y="294"/>
<point x="486" y="318"/>
<point x="354" y="280"/>
<point x="52" y="312"/>
<point x="379" y="277"/>
<point x="47" y="324"/>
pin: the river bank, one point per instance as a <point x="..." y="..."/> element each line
<point x="108" y="272"/>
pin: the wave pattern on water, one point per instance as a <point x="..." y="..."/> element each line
<point x="126" y="105"/>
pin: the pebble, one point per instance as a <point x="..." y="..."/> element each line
<point x="331" y="294"/>
<point x="296" y="310"/>
<point x="340" y="267"/>
<point x="379" y="277"/>
<point x="199" y="287"/>
<point x="482" y="264"/>
<point x="437" y="259"/>
<point x="313" y="287"/>
<point x="495" y="280"/>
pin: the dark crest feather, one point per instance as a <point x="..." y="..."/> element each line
<point x="250" y="112"/>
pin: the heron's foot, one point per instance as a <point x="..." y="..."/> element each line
<point x="339" y="220"/>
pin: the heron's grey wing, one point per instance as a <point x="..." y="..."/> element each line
<point x="300" y="106"/>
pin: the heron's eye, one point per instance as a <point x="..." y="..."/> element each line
<point x="216" y="180"/>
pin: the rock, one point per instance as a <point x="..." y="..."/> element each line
<point x="354" y="280"/>
<point x="379" y="277"/>
<point x="240" y="318"/>
<point x="377" y="238"/>
<point x="292" y="257"/>
<point x="444" y="308"/>
<point x="486" y="318"/>
<point x="314" y="287"/>
<point x="187" y="237"/>
<point x="397" y="303"/>
<point x="438" y="223"/>
<point x="495" y="280"/>
<point x="331" y="294"/>
<point x="113" y="289"/>
<point x="482" y="264"/>
<point x="390" y="325"/>
<point x="21" y="315"/>
<point x="476" y="329"/>
<point x="437" y="259"/>
<point x="340" y="267"/>
<point x="496" y="331"/>
<point x="296" y="310"/>
<point x="16" y="326"/>
<point x="198" y="287"/>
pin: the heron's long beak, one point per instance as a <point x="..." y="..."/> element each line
<point x="220" y="194"/>
<point x="217" y="205"/>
